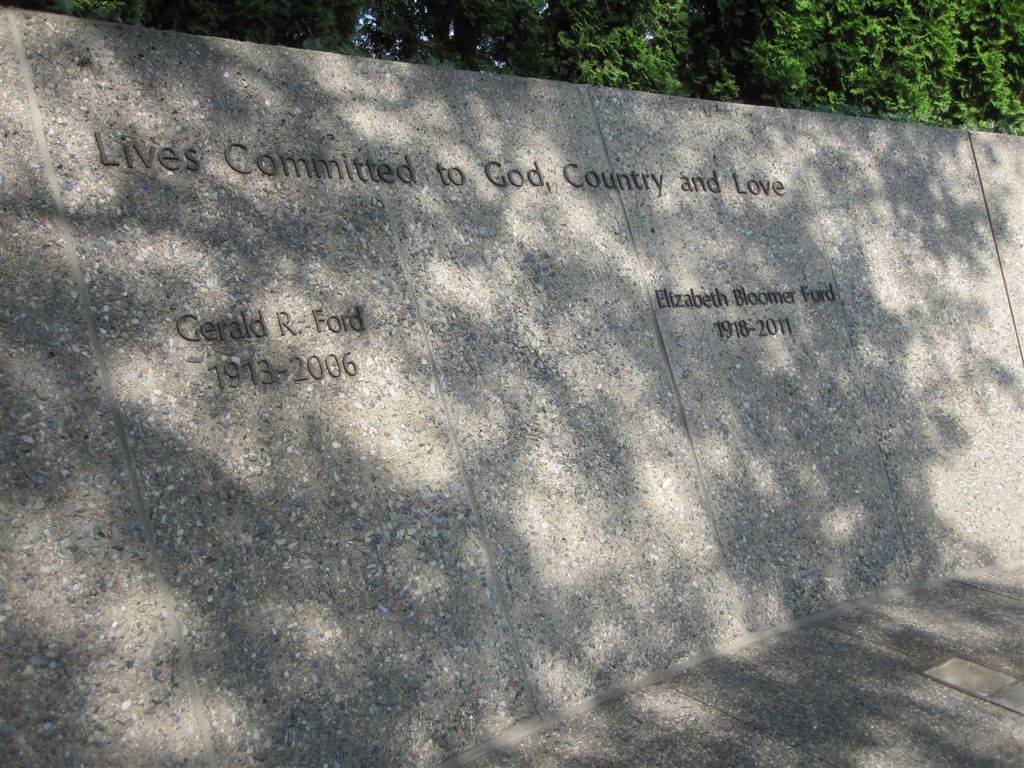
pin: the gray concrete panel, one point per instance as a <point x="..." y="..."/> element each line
<point x="306" y="501"/>
<point x="89" y="673"/>
<point x="752" y="320"/>
<point x="1000" y="162"/>
<point x="904" y="219"/>
<point x="547" y="359"/>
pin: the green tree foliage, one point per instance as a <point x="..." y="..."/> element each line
<point x="620" y="44"/>
<point x="468" y="34"/>
<point x="309" y="23"/>
<point x="947" y="62"/>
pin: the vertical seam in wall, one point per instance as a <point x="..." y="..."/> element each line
<point x="658" y="335"/>
<point x="500" y="594"/>
<point x="862" y="379"/>
<point x="197" y="703"/>
<point x="995" y="244"/>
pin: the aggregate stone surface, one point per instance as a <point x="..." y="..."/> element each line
<point x="852" y="702"/>
<point x="87" y="673"/>
<point x="771" y="389"/>
<point x="1005" y="581"/>
<point x="956" y="620"/>
<point x="655" y="728"/>
<point x="1011" y="697"/>
<point x="306" y="502"/>
<point x="1001" y="164"/>
<point x="904" y="218"/>
<point x="547" y="358"/>
<point x="812" y="695"/>
<point x="412" y="454"/>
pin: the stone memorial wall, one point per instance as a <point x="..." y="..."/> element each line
<point x="354" y="411"/>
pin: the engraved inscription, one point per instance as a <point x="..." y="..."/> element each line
<point x="257" y="324"/>
<point x="262" y="372"/>
<point x="741" y="329"/>
<point x="324" y="163"/>
<point x="742" y="297"/>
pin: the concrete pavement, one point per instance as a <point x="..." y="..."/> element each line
<point x="843" y="688"/>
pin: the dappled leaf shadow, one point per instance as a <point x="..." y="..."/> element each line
<point x="502" y="512"/>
